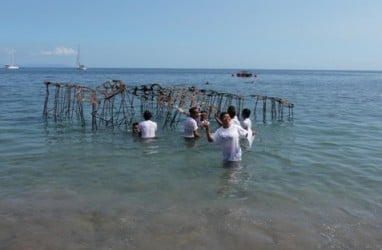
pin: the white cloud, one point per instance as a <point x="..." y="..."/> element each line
<point x="59" y="51"/>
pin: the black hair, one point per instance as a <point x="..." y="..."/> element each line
<point x="246" y="113"/>
<point x="222" y="114"/>
<point x="231" y="111"/>
<point x="147" y="115"/>
<point x="192" y="110"/>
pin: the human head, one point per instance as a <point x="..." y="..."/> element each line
<point x="194" y="112"/>
<point x="203" y="115"/>
<point x="135" y="128"/>
<point x="231" y="111"/>
<point x="246" y="113"/>
<point x="226" y="119"/>
<point x="147" y="115"/>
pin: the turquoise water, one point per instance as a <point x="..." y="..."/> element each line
<point x="310" y="183"/>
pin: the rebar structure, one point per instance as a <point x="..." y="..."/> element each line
<point x="113" y="104"/>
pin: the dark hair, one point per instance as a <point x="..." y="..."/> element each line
<point x="222" y="114"/>
<point x="246" y="113"/>
<point x="193" y="110"/>
<point x="231" y="111"/>
<point x="147" y="115"/>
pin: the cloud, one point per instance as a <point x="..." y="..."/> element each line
<point x="59" y="51"/>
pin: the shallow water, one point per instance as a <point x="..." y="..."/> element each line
<point x="310" y="183"/>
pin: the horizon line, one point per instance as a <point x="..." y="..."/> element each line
<point x="200" y="68"/>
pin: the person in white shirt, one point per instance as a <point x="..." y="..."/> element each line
<point x="147" y="127"/>
<point x="246" y="123"/>
<point x="232" y="113"/>
<point x="228" y="136"/>
<point x="191" y="125"/>
<point x="203" y="119"/>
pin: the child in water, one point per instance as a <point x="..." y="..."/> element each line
<point x="203" y="119"/>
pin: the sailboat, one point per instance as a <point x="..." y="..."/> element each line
<point x="12" y="65"/>
<point x="79" y="65"/>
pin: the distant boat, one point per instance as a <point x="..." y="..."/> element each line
<point x="244" y="74"/>
<point x="79" y="65"/>
<point x="82" y="67"/>
<point x="12" y="65"/>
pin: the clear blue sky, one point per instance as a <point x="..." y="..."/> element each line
<point x="248" y="34"/>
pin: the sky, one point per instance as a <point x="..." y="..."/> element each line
<point x="242" y="34"/>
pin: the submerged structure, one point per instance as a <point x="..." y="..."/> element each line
<point x="113" y="104"/>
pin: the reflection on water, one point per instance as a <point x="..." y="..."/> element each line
<point x="233" y="181"/>
<point x="311" y="184"/>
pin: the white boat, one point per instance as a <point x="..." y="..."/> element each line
<point x="12" y="65"/>
<point x="79" y="65"/>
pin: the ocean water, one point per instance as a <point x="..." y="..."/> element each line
<point x="312" y="182"/>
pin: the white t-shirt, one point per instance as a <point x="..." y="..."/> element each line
<point x="235" y="121"/>
<point x="246" y="124"/>
<point x="190" y="125"/>
<point x="148" y="129"/>
<point x="229" y="138"/>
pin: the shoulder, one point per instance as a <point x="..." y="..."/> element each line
<point x="220" y="130"/>
<point x="190" y="119"/>
<point x="246" y="122"/>
<point x="235" y="121"/>
<point x="238" y="127"/>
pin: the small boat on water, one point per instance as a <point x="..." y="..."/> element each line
<point x="79" y="65"/>
<point x="244" y="74"/>
<point x="12" y="65"/>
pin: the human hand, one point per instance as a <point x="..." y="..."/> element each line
<point x="206" y="124"/>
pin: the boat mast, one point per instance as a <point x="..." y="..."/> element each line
<point x="12" y="58"/>
<point x="78" y="56"/>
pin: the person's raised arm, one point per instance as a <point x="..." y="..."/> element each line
<point x="218" y="119"/>
<point x="208" y="133"/>
<point x="216" y="116"/>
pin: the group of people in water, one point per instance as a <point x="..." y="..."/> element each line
<point x="228" y="135"/>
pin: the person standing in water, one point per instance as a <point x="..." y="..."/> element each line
<point x="191" y="124"/>
<point x="203" y="119"/>
<point x="147" y="127"/>
<point x="246" y="123"/>
<point x="228" y="136"/>
<point x="135" y="129"/>
<point x="232" y="113"/>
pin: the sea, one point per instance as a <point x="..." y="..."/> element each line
<point x="311" y="181"/>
